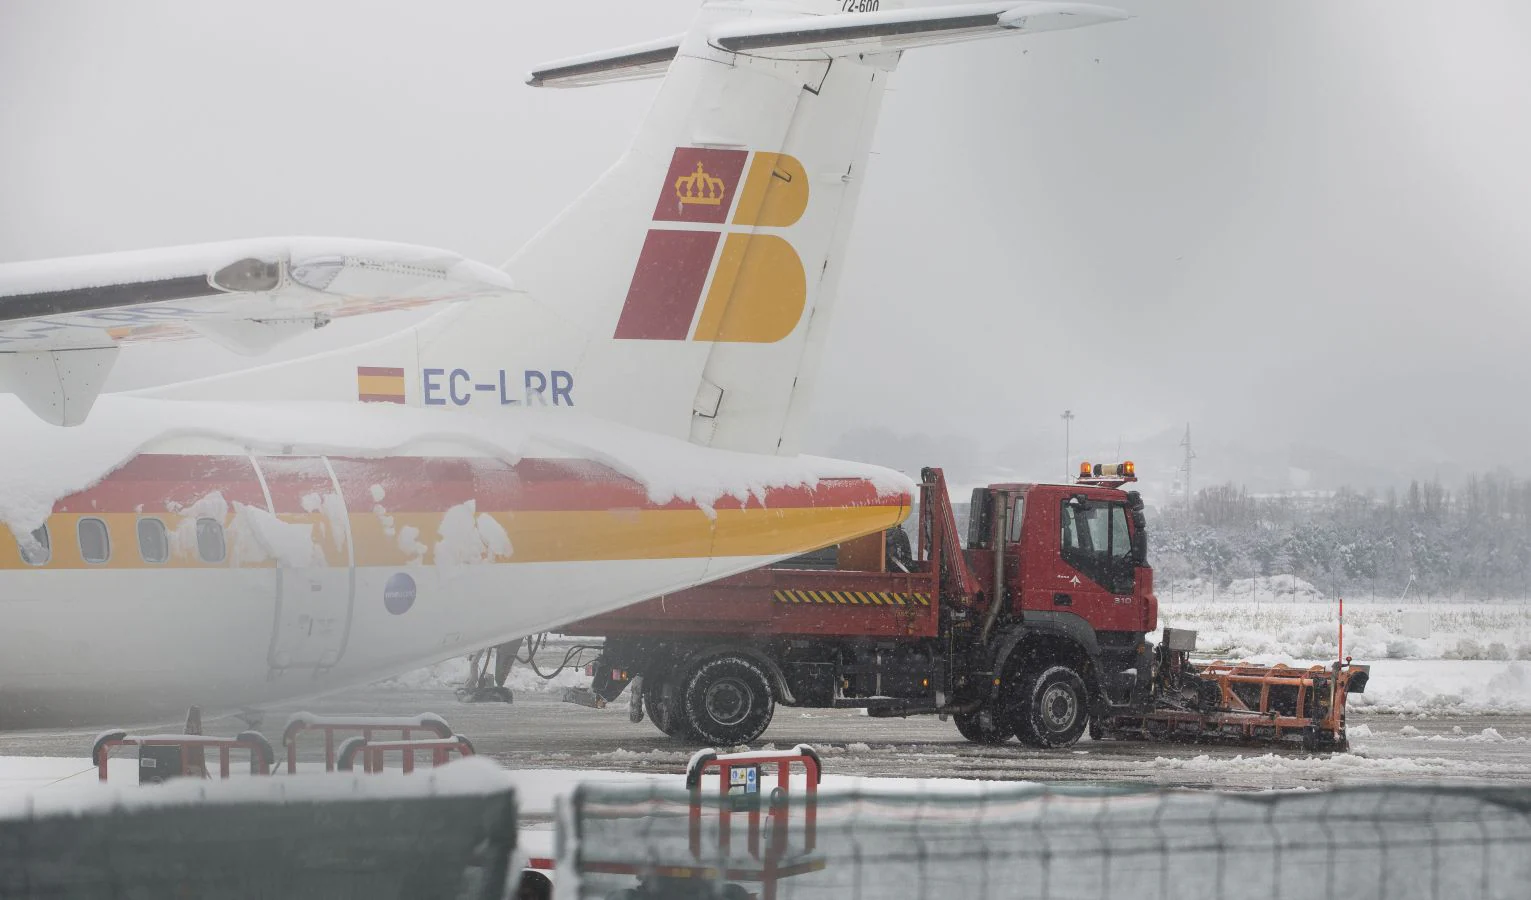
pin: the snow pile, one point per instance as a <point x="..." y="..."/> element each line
<point x="471" y="776"/>
<point x="1458" y="735"/>
<point x="1429" y="688"/>
<point x="1322" y="766"/>
<point x="465" y="538"/>
<point x="259" y="536"/>
<point x="1233" y="627"/>
<point x="211" y="506"/>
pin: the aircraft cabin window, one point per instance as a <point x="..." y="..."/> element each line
<point x="95" y="541"/>
<point x="36" y="549"/>
<point x="153" y="541"/>
<point x="210" y="546"/>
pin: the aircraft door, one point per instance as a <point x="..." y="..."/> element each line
<point x="316" y="576"/>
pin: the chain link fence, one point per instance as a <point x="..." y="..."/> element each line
<point x="1060" y="843"/>
<point x="447" y="834"/>
<point x="452" y="833"/>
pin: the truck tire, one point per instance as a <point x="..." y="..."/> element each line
<point x="1051" y="708"/>
<point x="727" y="701"/>
<point x="659" y="703"/>
<point x="983" y="727"/>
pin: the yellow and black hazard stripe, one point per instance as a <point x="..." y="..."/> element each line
<point x="852" y="598"/>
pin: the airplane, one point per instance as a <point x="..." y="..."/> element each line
<point x="612" y="415"/>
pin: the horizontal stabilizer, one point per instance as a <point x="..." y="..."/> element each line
<point x="212" y="289"/>
<point x="821" y="37"/>
<point x="631" y="63"/>
<point x="826" y="37"/>
<point x="61" y="320"/>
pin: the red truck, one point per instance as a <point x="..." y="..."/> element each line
<point x="901" y="631"/>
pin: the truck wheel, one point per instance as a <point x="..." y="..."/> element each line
<point x="659" y="703"/>
<point x="727" y="701"/>
<point x="983" y="727"/>
<point x="1052" y="707"/>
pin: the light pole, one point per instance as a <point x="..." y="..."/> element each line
<point x="1067" y="417"/>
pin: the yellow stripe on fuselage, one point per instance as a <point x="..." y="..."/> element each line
<point x="535" y="536"/>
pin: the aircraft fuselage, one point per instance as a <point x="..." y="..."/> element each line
<point x="356" y="568"/>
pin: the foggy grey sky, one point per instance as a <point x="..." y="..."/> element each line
<point x="1288" y="223"/>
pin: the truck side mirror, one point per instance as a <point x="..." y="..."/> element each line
<point x="1140" y="547"/>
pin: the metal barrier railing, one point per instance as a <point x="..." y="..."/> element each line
<point x="688" y="872"/>
<point x="726" y="765"/>
<point x="371" y="752"/>
<point x="191" y="747"/>
<point x="367" y="727"/>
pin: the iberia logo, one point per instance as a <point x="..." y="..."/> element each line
<point x="755" y="287"/>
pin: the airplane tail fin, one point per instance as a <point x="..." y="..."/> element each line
<point x="704" y="264"/>
<point x="689" y="290"/>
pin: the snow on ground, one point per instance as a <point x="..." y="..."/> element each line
<point x="1279" y="764"/>
<point x="454" y="673"/>
<point x="1427" y="657"/>
<point x="1272" y="626"/>
<point x="28" y="773"/>
<point x="1445" y="687"/>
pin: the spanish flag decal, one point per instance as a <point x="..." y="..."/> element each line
<point x="375" y="384"/>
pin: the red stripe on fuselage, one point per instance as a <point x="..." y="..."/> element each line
<point x="152" y="482"/>
<point x="292" y="479"/>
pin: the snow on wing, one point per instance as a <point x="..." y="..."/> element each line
<point x="247" y="295"/>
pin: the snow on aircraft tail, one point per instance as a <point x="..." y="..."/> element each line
<point x="689" y="291"/>
<point x="701" y="269"/>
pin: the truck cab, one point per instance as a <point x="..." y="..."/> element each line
<point x="1073" y="563"/>
<point x="1071" y="549"/>
<point x="1068" y="566"/>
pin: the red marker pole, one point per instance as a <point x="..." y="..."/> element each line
<point x="1342" y="629"/>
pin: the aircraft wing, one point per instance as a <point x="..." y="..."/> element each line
<point x="821" y="37"/>
<point x="61" y="320"/>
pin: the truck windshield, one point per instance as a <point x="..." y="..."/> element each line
<point x="1092" y="526"/>
<point x="1095" y="541"/>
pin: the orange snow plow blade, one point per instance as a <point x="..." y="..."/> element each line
<point x="1245" y="704"/>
